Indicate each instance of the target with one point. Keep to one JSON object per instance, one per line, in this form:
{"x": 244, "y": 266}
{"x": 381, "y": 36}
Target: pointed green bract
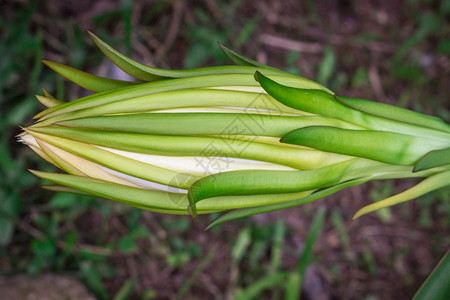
{"x": 388, "y": 147}
{"x": 86, "y": 80}
{"x": 178, "y": 99}
{"x": 258, "y": 124}
{"x": 241, "y": 60}
{"x": 60, "y": 163}
{"x": 48, "y": 102}
{"x": 207, "y": 81}
{"x": 152, "y": 200}
{"x": 378, "y": 174}
{"x": 174, "y": 203}
{"x": 119, "y": 163}
{"x": 246, "y": 212}
{"x": 429, "y": 184}
{"x": 433, "y": 159}
{"x": 48, "y": 95}
{"x": 320, "y": 102}
{"x": 266, "y": 182}
{"x": 394, "y": 113}
{"x": 147, "y": 73}
{"x": 65, "y": 189}
{"x": 302, "y": 159}
{"x": 312, "y": 100}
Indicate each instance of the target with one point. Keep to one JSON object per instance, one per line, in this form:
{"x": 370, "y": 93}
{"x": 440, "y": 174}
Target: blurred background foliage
{"x": 396, "y": 52}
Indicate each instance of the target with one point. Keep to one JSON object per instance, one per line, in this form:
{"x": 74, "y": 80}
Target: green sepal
{"x": 320, "y": 102}
{"x": 49, "y": 110}
{"x": 432, "y": 159}
{"x": 65, "y": 189}
{"x": 427, "y": 185}
{"x": 147, "y": 73}
{"x": 58, "y": 162}
{"x": 310, "y": 100}
{"x": 240, "y": 59}
{"x": 383, "y": 146}
{"x": 145, "y": 89}
{"x": 248, "y": 182}
{"x": 117, "y": 162}
{"x": 245, "y": 212}
{"x": 157, "y": 201}
{"x": 375, "y": 173}
{"x": 296, "y": 158}
{"x": 134, "y": 196}
{"x": 258, "y": 124}
{"x": 48, "y": 95}
{"x": 85, "y": 80}
{"x": 178, "y": 99}
{"x": 394, "y": 113}
{"x": 48, "y": 102}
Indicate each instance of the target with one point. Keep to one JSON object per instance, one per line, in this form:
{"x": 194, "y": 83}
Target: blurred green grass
{"x": 100, "y": 242}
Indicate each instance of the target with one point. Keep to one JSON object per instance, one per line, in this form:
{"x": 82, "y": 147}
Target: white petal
{"x": 199, "y": 165}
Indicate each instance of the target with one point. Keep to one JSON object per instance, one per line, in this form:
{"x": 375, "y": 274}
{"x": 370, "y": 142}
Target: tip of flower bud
{"x": 257, "y": 76}
{"x": 34, "y": 172}
{"x": 93, "y": 36}
{"x": 192, "y": 212}
{"x": 358, "y": 214}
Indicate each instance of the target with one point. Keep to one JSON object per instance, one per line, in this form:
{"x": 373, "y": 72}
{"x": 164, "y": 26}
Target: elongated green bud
{"x": 433, "y": 159}
{"x": 214, "y": 139}
{"x": 394, "y": 113}
{"x": 387, "y": 147}
{"x": 319, "y": 102}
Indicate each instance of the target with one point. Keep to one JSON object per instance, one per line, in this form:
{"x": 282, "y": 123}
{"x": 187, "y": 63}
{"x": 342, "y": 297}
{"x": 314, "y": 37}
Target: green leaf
{"x": 94, "y": 280}
{"x": 338, "y": 222}
{"x": 327, "y": 66}
{"x": 383, "y": 146}
{"x": 86, "y": 80}
{"x": 256, "y": 288}
{"x": 277, "y": 246}
{"x": 191, "y": 279}
{"x": 241, "y": 245}
{"x": 307, "y": 255}
{"x": 432, "y": 159}
{"x": 126, "y": 290}
{"x": 127, "y": 244}
{"x": 63, "y": 201}
{"x": 293, "y": 284}
{"x": 437, "y": 285}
